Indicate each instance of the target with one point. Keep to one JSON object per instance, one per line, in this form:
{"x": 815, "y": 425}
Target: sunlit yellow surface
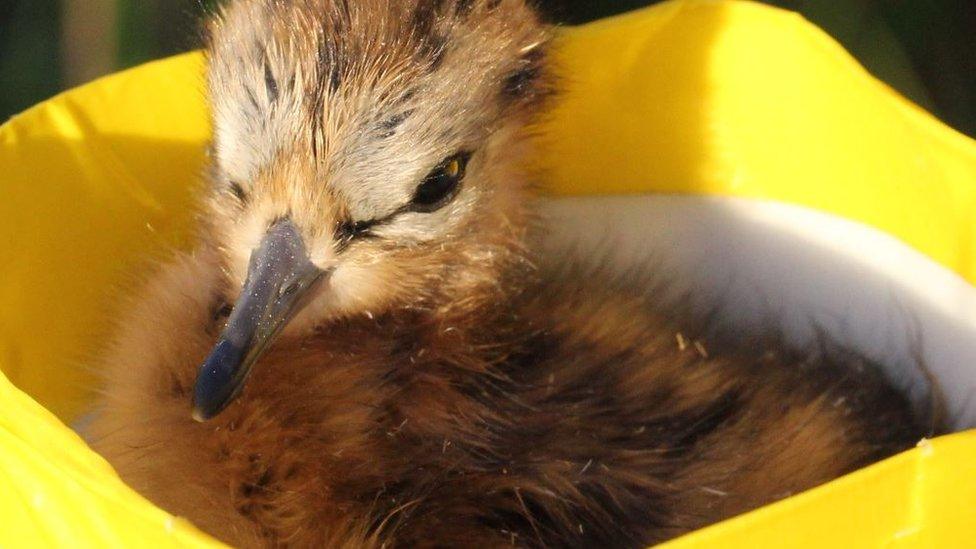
{"x": 735, "y": 98}
{"x": 715, "y": 97}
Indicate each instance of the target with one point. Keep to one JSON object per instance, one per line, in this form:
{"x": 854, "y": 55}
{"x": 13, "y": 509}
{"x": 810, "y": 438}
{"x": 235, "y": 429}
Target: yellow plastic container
{"x": 720, "y": 98}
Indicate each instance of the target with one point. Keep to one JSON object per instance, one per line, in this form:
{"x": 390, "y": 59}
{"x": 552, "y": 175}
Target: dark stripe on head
{"x": 335, "y": 79}
{"x": 425, "y": 15}
{"x": 523, "y": 81}
{"x": 330, "y": 64}
{"x": 431, "y": 44}
{"x": 406, "y": 96}
{"x": 333, "y": 54}
{"x": 270, "y": 83}
{"x": 434, "y": 51}
{"x": 388, "y": 127}
{"x": 238, "y": 191}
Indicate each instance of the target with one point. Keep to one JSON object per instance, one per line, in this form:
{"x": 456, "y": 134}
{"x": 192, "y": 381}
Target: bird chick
{"x": 364, "y": 349}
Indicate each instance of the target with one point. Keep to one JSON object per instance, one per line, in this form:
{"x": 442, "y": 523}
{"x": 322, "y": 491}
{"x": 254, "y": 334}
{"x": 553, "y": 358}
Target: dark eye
{"x": 438, "y": 188}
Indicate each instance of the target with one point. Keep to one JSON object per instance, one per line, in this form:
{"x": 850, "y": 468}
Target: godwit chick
{"x": 397, "y": 368}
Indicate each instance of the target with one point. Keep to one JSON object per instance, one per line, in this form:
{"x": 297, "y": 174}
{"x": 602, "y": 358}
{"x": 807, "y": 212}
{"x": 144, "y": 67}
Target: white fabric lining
{"x": 799, "y": 267}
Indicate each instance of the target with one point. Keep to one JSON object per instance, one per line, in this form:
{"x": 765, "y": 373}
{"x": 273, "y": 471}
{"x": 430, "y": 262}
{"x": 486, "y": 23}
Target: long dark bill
{"x": 279, "y": 275}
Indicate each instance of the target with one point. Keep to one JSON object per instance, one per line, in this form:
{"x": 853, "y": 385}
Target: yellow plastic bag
{"x": 704, "y": 97}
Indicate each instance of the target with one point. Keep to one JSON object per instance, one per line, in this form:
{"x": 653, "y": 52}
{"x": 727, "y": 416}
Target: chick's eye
{"x": 441, "y": 185}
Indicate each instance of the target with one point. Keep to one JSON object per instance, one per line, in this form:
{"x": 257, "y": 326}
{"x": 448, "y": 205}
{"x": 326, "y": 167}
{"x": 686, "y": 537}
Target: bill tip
{"x": 199, "y": 415}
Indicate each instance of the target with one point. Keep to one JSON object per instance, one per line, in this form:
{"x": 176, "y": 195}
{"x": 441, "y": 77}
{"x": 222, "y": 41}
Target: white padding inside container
{"x": 766, "y": 261}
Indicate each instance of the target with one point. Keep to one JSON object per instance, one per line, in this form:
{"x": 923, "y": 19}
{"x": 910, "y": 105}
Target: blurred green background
{"x": 924, "y": 48}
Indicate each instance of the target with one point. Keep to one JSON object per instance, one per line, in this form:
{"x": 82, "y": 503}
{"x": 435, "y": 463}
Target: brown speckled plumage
{"x": 447, "y": 386}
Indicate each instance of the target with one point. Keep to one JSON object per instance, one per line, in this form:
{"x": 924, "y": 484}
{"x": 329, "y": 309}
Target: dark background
{"x": 924, "y": 48}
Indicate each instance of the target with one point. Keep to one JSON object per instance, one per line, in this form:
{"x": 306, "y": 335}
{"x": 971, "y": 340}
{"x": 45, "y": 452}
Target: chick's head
{"x": 367, "y": 155}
